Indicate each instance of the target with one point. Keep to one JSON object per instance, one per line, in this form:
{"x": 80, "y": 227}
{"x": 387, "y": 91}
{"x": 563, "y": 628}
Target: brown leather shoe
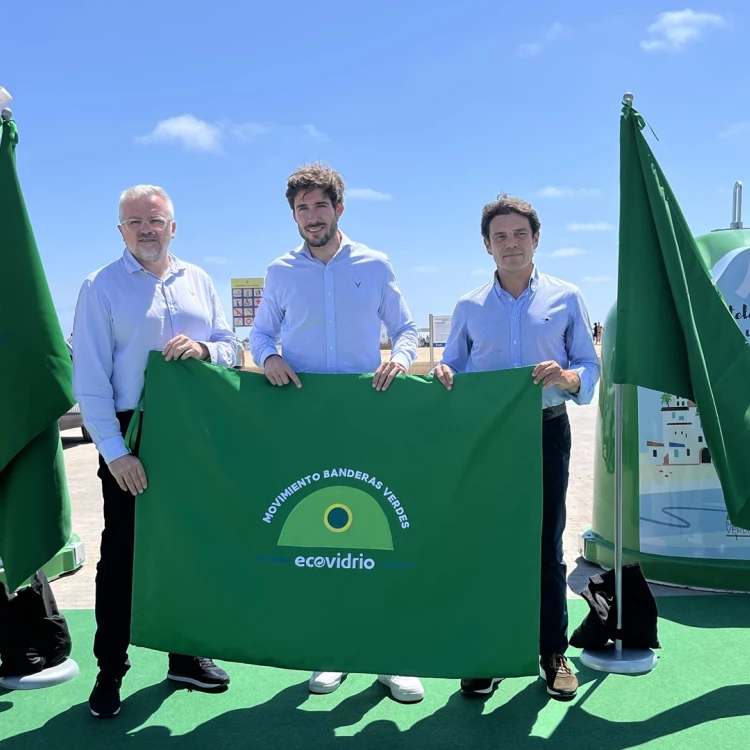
{"x": 561, "y": 682}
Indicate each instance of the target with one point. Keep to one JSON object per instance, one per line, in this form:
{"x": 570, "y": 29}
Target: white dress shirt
{"x": 123, "y": 313}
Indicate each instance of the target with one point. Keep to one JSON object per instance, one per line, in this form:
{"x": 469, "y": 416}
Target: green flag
{"x": 35, "y": 390}
{"x": 674, "y": 331}
{"x": 335, "y": 527}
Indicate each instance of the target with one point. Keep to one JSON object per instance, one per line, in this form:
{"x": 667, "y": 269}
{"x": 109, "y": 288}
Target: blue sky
{"x": 428, "y": 111}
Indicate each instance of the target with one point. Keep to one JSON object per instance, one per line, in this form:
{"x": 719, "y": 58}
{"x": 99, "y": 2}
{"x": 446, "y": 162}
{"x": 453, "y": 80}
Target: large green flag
{"x": 339, "y": 528}
{"x": 674, "y": 331}
{"x": 35, "y": 390}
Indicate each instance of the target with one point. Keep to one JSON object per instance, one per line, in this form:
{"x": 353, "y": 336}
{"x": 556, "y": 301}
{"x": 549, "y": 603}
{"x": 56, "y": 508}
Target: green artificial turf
{"x": 698, "y": 697}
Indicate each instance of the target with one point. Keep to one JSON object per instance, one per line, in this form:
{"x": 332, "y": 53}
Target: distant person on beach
{"x": 524, "y": 318}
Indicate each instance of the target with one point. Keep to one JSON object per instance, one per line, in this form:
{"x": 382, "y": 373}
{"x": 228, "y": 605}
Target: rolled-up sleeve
{"x": 266, "y": 333}
{"x": 93, "y": 352}
{"x": 222, "y": 346}
{"x": 399, "y": 324}
{"x": 582, "y": 356}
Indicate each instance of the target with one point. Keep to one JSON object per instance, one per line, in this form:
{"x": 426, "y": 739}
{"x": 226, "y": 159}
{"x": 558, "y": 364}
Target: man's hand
{"x": 278, "y": 371}
{"x": 182, "y": 347}
{"x": 129, "y": 473}
{"x": 445, "y": 375}
{"x": 551, "y": 373}
{"x": 385, "y": 373}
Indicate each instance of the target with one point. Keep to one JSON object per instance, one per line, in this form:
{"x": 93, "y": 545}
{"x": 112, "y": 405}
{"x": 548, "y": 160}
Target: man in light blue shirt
{"x": 145, "y": 300}
{"x": 326, "y": 299}
{"x": 324, "y": 302}
{"x": 519, "y": 319}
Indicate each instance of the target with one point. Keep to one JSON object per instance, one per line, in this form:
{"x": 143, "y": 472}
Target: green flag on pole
{"x": 674, "y": 331}
{"x": 334, "y": 527}
{"x": 35, "y": 390}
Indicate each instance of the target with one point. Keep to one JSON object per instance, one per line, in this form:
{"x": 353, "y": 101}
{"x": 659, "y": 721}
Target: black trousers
{"x": 114, "y": 573}
{"x": 553, "y": 625}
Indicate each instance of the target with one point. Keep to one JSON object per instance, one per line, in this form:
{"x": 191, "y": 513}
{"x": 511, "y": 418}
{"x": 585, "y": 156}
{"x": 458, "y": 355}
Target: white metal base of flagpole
{"x": 64, "y": 672}
{"x": 624, "y": 661}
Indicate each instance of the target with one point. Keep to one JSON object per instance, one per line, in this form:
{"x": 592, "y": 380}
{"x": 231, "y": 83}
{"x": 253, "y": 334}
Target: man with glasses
{"x": 145, "y": 300}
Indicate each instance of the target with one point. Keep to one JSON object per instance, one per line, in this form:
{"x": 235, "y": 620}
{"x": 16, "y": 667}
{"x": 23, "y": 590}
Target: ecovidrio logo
{"x": 345, "y": 524}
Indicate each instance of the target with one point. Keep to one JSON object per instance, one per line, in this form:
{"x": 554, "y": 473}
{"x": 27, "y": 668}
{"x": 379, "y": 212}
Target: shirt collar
{"x": 534, "y": 280}
{"x": 532, "y": 287}
{"x": 346, "y": 243}
{"x": 133, "y": 266}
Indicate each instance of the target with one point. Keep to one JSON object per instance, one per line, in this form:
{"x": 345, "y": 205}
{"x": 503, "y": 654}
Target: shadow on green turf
{"x": 280, "y": 723}
{"x": 725, "y": 610}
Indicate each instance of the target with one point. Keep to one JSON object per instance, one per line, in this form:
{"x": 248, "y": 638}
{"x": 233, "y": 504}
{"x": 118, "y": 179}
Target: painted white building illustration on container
{"x": 682, "y": 440}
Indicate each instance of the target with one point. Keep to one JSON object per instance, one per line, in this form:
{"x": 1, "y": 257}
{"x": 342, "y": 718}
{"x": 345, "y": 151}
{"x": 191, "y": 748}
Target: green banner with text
{"x": 335, "y": 527}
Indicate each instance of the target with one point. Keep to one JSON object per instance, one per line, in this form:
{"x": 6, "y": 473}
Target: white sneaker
{"x": 322, "y": 683}
{"x": 403, "y": 689}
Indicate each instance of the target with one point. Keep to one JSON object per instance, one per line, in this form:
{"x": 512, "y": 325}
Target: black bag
{"x": 33, "y": 634}
{"x": 639, "y": 615}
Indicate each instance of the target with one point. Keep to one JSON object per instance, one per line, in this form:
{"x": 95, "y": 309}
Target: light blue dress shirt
{"x": 327, "y": 316}
{"x": 490, "y": 330}
{"x": 123, "y": 313}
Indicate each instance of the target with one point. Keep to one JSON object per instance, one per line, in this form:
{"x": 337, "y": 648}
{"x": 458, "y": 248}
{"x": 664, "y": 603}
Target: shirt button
{"x": 331, "y": 348}
{"x": 515, "y": 319}
{"x": 330, "y": 321}
{"x": 515, "y": 342}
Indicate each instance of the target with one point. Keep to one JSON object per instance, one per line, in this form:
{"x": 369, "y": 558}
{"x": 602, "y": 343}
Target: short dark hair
{"x": 507, "y": 204}
{"x": 313, "y": 176}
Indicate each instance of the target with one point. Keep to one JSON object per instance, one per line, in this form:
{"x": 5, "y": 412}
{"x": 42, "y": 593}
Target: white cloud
{"x": 216, "y": 260}
{"x": 532, "y": 49}
{"x": 482, "y": 272}
{"x": 553, "y": 191}
{"x": 245, "y": 131}
{"x": 192, "y": 133}
{"x": 313, "y": 132}
{"x": 568, "y": 252}
{"x": 426, "y": 269}
{"x": 594, "y": 226}
{"x": 367, "y": 194}
{"x": 739, "y": 128}
{"x": 199, "y": 135}
{"x": 673, "y": 30}
{"x": 597, "y": 279}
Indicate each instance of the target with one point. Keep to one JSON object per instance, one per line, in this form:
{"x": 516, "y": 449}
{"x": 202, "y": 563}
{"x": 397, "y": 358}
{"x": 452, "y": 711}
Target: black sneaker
{"x": 479, "y": 686}
{"x": 197, "y": 671}
{"x": 104, "y": 700}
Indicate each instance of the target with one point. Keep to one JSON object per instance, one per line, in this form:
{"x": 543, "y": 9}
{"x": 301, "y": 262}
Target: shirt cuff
{"x": 586, "y": 391}
{"x": 113, "y": 448}
{"x": 265, "y": 354}
{"x": 213, "y": 352}
{"x": 402, "y": 359}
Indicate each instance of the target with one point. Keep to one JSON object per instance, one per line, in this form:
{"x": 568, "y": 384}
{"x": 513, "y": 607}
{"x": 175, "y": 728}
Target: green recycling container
{"x": 675, "y": 521}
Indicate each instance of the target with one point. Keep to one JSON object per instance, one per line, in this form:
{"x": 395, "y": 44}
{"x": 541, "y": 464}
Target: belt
{"x": 552, "y": 412}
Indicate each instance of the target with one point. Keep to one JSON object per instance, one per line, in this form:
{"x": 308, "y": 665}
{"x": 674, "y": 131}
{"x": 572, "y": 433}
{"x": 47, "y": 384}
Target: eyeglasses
{"x": 157, "y": 223}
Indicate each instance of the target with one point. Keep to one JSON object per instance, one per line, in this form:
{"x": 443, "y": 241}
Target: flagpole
{"x": 618, "y": 660}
